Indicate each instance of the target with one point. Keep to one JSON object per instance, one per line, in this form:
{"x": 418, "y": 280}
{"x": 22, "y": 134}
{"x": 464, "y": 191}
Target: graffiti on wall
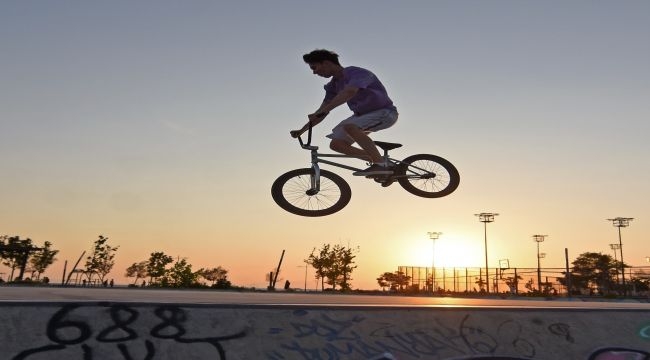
{"x": 324, "y": 337}
{"x": 120, "y": 331}
{"x": 81, "y": 340}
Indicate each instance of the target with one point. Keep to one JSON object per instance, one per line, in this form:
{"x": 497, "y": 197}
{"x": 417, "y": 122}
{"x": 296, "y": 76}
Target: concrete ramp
{"x": 137, "y": 331}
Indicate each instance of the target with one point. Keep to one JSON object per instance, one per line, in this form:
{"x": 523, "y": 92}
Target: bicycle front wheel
{"x": 293, "y": 192}
{"x": 428, "y": 176}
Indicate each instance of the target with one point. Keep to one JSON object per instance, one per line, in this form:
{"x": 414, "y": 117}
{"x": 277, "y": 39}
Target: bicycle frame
{"x": 300, "y": 191}
{"x": 316, "y": 158}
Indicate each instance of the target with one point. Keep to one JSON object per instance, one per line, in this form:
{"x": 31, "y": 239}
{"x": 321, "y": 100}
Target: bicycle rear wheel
{"x": 292, "y": 192}
{"x": 428, "y": 176}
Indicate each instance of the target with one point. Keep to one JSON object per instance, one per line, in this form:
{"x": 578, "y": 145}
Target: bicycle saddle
{"x": 387, "y": 146}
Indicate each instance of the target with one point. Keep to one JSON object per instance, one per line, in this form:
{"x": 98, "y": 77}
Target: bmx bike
{"x": 316, "y": 192}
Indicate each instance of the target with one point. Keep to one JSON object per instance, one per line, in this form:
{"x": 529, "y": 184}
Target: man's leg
{"x": 366, "y": 143}
{"x": 351, "y": 130}
{"x": 346, "y": 148}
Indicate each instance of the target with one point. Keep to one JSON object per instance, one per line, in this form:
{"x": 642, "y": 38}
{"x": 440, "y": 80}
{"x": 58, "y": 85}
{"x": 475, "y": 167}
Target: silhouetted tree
{"x": 640, "y": 284}
{"x": 102, "y": 259}
{"x": 180, "y": 275}
{"x": 218, "y": 276}
{"x": 395, "y": 281}
{"x": 42, "y": 259}
{"x": 334, "y": 264}
{"x": 137, "y": 270}
{"x": 156, "y": 266}
{"x": 14, "y": 252}
{"x": 593, "y": 270}
{"x": 345, "y": 259}
{"x": 320, "y": 262}
{"x": 383, "y": 281}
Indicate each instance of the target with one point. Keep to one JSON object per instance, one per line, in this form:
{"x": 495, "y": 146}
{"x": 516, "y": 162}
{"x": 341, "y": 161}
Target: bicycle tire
{"x": 428, "y": 176}
{"x": 289, "y": 191}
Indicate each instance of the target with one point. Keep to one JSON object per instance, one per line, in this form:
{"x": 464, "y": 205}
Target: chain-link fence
{"x": 506, "y": 280}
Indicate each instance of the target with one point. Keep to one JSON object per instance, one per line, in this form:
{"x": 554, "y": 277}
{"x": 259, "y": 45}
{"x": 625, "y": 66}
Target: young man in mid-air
{"x": 366, "y": 97}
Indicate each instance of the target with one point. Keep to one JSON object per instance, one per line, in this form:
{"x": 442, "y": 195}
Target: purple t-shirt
{"x": 371, "y": 96}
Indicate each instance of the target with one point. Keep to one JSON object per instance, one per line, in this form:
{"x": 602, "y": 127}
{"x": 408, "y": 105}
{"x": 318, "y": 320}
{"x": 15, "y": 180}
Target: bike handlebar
{"x": 308, "y": 143}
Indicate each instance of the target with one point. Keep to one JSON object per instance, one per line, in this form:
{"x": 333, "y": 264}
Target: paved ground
{"x": 56, "y": 294}
{"x": 125, "y": 324}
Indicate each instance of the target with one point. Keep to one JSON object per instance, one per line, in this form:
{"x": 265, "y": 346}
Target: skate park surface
{"x": 121, "y": 323}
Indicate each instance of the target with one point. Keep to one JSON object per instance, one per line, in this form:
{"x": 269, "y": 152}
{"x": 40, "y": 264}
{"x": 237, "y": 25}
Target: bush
{"x": 222, "y": 284}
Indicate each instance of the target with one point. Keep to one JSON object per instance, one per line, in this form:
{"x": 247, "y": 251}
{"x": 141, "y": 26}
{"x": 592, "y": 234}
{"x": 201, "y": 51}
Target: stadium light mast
{"x": 486, "y": 218}
{"x": 620, "y": 222}
{"x": 433, "y": 235}
{"x": 539, "y": 239}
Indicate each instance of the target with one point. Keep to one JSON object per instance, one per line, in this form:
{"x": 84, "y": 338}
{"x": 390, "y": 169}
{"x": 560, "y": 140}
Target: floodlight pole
{"x": 620, "y": 222}
{"x": 486, "y": 218}
{"x": 433, "y": 235}
{"x": 305, "y": 266}
{"x": 539, "y": 239}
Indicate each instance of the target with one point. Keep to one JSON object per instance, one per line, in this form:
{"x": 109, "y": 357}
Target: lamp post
{"x": 486, "y": 218}
{"x": 615, "y": 247}
{"x": 620, "y": 222}
{"x": 539, "y": 239}
{"x": 433, "y": 235}
{"x": 305, "y": 266}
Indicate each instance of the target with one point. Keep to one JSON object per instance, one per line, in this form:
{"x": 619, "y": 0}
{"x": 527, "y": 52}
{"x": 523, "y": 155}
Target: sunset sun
{"x": 449, "y": 252}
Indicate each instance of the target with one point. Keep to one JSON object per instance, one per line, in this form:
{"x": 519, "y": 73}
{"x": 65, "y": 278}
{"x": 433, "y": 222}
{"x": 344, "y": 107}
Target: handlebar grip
{"x": 303, "y": 144}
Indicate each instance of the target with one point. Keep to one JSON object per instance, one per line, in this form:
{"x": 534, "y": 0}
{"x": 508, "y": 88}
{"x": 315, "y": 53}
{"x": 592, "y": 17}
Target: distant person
{"x": 111, "y": 283}
{"x": 366, "y": 97}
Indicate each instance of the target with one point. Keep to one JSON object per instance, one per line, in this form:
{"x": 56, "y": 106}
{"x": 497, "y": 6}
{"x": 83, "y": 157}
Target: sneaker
{"x": 373, "y": 170}
{"x": 384, "y": 180}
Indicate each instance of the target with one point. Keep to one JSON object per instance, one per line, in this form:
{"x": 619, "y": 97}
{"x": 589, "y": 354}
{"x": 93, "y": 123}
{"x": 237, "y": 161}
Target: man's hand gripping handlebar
{"x": 297, "y": 134}
{"x": 308, "y": 127}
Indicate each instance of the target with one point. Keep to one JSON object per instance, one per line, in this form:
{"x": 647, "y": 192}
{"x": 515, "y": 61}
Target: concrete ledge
{"x": 126, "y": 330}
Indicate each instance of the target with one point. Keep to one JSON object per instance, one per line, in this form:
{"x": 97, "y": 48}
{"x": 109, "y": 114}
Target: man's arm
{"x": 313, "y": 120}
{"x": 342, "y": 97}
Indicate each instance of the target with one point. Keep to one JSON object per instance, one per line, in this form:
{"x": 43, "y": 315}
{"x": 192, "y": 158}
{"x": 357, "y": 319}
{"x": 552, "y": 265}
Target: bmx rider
{"x": 365, "y": 95}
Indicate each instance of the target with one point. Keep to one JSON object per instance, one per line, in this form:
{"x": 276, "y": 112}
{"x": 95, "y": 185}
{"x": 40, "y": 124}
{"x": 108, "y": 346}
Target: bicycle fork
{"x": 315, "y": 175}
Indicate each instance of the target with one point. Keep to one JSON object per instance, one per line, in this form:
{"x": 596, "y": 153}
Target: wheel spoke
{"x": 295, "y": 192}
{"x": 429, "y": 176}
{"x": 292, "y": 191}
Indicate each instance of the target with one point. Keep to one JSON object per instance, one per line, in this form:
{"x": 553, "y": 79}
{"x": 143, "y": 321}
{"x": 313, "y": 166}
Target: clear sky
{"x": 162, "y": 124}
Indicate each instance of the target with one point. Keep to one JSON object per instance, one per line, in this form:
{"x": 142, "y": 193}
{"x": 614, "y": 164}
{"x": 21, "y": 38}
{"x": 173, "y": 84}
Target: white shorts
{"x": 370, "y": 122}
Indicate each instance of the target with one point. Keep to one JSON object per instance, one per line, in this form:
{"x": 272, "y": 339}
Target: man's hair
{"x": 320, "y": 55}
